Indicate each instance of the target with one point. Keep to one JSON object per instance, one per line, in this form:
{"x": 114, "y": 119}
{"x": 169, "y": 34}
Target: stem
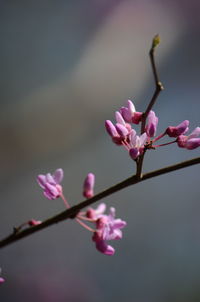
{"x": 158, "y": 88}
{"x": 85, "y": 225}
{"x": 161, "y": 145}
{"x": 73, "y": 211}
{"x": 158, "y": 85}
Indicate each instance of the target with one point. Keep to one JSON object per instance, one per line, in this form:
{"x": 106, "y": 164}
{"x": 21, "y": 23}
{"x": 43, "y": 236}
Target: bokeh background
{"x": 66, "y": 66}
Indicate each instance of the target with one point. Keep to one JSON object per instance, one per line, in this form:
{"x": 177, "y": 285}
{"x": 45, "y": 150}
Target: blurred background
{"x": 66, "y": 66}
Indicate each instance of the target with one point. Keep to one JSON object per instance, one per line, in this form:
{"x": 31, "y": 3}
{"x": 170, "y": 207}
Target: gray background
{"x": 66, "y": 66}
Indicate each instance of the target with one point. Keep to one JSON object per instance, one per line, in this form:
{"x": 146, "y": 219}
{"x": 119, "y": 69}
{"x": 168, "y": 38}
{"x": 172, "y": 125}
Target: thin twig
{"x": 158, "y": 85}
{"x": 73, "y": 211}
{"x": 158, "y": 88}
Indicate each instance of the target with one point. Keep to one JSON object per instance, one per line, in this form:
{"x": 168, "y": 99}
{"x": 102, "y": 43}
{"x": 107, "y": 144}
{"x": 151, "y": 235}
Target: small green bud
{"x": 156, "y": 41}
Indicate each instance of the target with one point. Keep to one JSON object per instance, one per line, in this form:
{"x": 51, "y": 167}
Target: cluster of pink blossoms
{"x": 123, "y": 134}
{"x": 106, "y": 227}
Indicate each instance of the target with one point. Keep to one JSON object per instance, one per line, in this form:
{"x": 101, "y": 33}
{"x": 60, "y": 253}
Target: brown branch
{"x": 72, "y": 212}
{"x": 158, "y": 85}
{"x": 158, "y": 88}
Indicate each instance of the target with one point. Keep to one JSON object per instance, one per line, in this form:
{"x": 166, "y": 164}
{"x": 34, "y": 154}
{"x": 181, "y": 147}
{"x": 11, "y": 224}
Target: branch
{"x": 158, "y": 85}
{"x": 158, "y": 88}
{"x": 73, "y": 211}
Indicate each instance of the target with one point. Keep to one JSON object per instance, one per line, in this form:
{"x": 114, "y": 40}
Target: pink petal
{"x": 111, "y": 129}
{"x": 119, "y": 118}
{"x": 193, "y": 143}
{"x": 122, "y": 130}
{"x": 41, "y": 179}
{"x": 104, "y": 248}
{"x": 134, "y": 153}
{"x": 131, "y": 106}
{"x": 195, "y": 133}
{"x": 58, "y": 175}
{"x": 88, "y": 186}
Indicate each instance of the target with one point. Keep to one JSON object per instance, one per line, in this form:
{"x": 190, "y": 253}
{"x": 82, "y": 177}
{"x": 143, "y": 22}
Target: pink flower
{"x": 34, "y": 222}
{"x": 129, "y": 113}
{"x": 182, "y": 128}
{"x": 191, "y": 141}
{"x": 112, "y": 131}
{"x": 95, "y": 214}
{"x": 50, "y": 184}
{"x": 152, "y": 124}
{"x": 108, "y": 228}
{"x": 137, "y": 143}
{"x": 88, "y": 186}
{"x": 119, "y": 131}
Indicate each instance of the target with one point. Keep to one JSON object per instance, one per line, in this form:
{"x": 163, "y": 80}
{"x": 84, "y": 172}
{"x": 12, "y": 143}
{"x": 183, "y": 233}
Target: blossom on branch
{"x": 107, "y": 228}
{"x": 95, "y": 214}
{"x": 88, "y": 186}
{"x": 182, "y": 128}
{"x": 136, "y": 144}
{"x": 129, "y": 113}
{"x": 50, "y": 183}
{"x": 151, "y": 126}
{"x": 191, "y": 141}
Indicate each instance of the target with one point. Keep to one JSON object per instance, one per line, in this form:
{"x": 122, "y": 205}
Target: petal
{"x": 134, "y": 153}
{"x": 122, "y": 131}
{"x": 50, "y": 179}
{"x": 41, "y": 179}
{"x": 119, "y": 118}
{"x": 131, "y": 106}
{"x": 58, "y": 175}
{"x": 101, "y": 208}
{"x": 104, "y": 248}
{"x": 193, "y": 143}
{"x": 111, "y": 129}
{"x": 88, "y": 185}
{"x": 181, "y": 129}
{"x": 2, "y": 280}
{"x": 51, "y": 192}
{"x": 195, "y": 133}
{"x": 181, "y": 141}
{"x": 119, "y": 224}
{"x": 132, "y": 137}
{"x": 115, "y": 235}
{"x": 137, "y": 117}
{"x": 125, "y": 112}
{"x": 112, "y": 213}
{"x": 143, "y": 139}
{"x": 152, "y": 124}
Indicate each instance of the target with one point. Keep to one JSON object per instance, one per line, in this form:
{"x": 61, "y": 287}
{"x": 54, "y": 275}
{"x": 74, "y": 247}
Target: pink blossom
{"x": 50, "y": 184}
{"x": 34, "y": 222}
{"x": 112, "y": 131}
{"x": 137, "y": 143}
{"x": 191, "y": 141}
{"x": 129, "y": 113}
{"x": 88, "y": 186}
{"x": 151, "y": 126}
{"x": 108, "y": 228}
{"x": 95, "y": 214}
{"x": 181, "y": 129}
{"x": 120, "y": 131}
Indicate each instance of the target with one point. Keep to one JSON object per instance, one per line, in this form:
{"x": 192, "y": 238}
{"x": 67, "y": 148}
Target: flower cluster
{"x": 123, "y": 134}
{"x": 106, "y": 227}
